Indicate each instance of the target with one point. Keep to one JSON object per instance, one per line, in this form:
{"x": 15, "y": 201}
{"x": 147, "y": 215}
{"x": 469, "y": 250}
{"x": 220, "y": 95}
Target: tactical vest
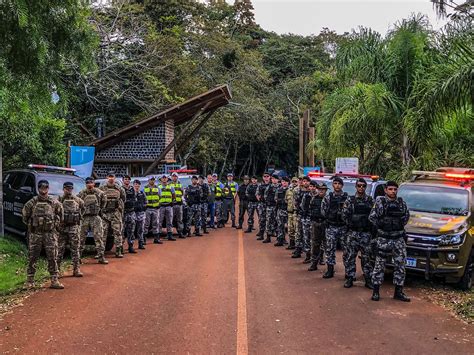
{"x": 336, "y": 202}
{"x": 152, "y": 196}
{"x": 193, "y": 195}
{"x": 140, "y": 202}
{"x": 72, "y": 215}
{"x": 261, "y": 191}
{"x": 227, "y": 192}
{"x": 270, "y": 195}
{"x": 315, "y": 209}
{"x": 130, "y": 199}
{"x": 91, "y": 204}
{"x": 242, "y": 192}
{"x": 392, "y": 220}
{"x": 281, "y": 198}
{"x": 166, "y": 197}
{"x": 305, "y": 201}
{"x": 251, "y": 192}
{"x": 360, "y": 216}
{"x": 113, "y": 196}
{"x": 178, "y": 192}
{"x": 205, "y": 193}
{"x": 290, "y": 198}
{"x": 43, "y": 216}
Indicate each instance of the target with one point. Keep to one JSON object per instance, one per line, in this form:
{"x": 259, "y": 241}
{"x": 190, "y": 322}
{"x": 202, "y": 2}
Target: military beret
{"x": 136, "y": 181}
{"x": 338, "y": 179}
{"x": 391, "y": 183}
{"x": 43, "y": 183}
{"x": 89, "y": 179}
{"x": 68, "y": 184}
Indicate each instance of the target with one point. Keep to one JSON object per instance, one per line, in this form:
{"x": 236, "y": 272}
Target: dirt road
{"x": 224, "y": 293}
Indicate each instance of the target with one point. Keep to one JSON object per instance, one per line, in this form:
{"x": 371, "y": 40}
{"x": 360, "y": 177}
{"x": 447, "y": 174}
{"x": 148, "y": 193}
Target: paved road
{"x": 224, "y": 293}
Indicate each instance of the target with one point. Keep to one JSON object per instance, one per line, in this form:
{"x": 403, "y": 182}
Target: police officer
{"x": 43, "y": 215}
{"x": 336, "y": 229}
{"x": 178, "y": 204}
{"x": 152, "y": 211}
{"x": 192, "y": 196}
{"x": 261, "y": 208}
{"x": 69, "y": 231}
{"x": 300, "y": 241}
{"x": 390, "y": 215}
{"x": 282, "y": 211}
{"x": 243, "y": 201}
{"x": 270, "y": 210}
{"x": 355, "y": 213}
{"x": 129, "y": 212}
{"x": 167, "y": 195}
{"x": 292, "y": 221}
{"x": 94, "y": 203}
{"x": 140, "y": 208}
{"x": 112, "y": 214}
{"x": 219, "y": 200}
{"x": 251, "y": 197}
{"x": 211, "y": 202}
{"x": 204, "y": 202}
{"x": 306, "y": 219}
{"x": 318, "y": 226}
{"x": 229, "y": 193}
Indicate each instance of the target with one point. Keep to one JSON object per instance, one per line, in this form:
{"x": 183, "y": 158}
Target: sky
{"x": 305, "y": 17}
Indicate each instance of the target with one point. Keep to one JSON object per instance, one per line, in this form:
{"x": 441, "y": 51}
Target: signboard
{"x": 347, "y": 165}
{"x": 307, "y": 169}
{"x": 82, "y": 159}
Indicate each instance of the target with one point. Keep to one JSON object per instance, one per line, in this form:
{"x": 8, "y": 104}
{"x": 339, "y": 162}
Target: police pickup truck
{"x": 375, "y": 186}
{"x": 21, "y": 185}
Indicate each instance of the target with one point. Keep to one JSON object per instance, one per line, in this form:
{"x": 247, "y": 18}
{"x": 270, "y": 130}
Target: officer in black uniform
{"x": 192, "y": 196}
{"x": 140, "y": 211}
{"x": 129, "y": 212}
{"x": 261, "y": 207}
{"x": 204, "y": 202}
{"x": 243, "y": 201}
{"x": 251, "y": 196}
{"x": 318, "y": 227}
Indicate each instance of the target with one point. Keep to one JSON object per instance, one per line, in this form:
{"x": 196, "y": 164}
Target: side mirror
{"x": 26, "y": 189}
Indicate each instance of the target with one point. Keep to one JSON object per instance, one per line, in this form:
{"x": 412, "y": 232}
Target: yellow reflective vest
{"x": 152, "y": 196}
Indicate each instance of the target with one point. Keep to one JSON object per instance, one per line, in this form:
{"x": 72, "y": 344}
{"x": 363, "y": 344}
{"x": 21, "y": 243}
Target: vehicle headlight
{"x": 451, "y": 239}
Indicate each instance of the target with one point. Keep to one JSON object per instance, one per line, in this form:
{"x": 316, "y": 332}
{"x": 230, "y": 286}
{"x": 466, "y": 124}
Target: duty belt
{"x": 153, "y": 208}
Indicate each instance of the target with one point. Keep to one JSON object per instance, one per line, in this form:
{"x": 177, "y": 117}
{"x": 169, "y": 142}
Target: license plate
{"x": 410, "y": 262}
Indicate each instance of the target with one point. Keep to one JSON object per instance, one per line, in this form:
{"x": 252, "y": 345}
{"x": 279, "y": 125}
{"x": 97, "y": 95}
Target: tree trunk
{"x": 405, "y": 152}
{"x": 225, "y": 160}
{"x": 250, "y": 159}
{"x": 234, "y": 161}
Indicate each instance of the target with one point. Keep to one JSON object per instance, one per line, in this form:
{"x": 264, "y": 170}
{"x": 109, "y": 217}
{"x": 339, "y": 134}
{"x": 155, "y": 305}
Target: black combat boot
{"x": 156, "y": 239}
{"x": 399, "y": 294}
{"x": 197, "y": 232}
{"x": 181, "y": 235}
{"x": 296, "y": 254}
{"x": 313, "y": 266}
{"x": 141, "y": 246}
{"x": 349, "y": 282}
{"x": 239, "y": 226}
{"x": 268, "y": 239}
{"x": 375, "y": 293}
{"x": 205, "y": 230}
{"x": 368, "y": 283}
{"x": 131, "y": 250}
{"x": 291, "y": 246}
{"x": 329, "y": 272}
{"x": 279, "y": 243}
{"x": 220, "y": 225}
{"x": 169, "y": 236}
{"x": 248, "y": 230}
{"x": 234, "y": 225}
{"x": 307, "y": 260}
{"x": 259, "y": 234}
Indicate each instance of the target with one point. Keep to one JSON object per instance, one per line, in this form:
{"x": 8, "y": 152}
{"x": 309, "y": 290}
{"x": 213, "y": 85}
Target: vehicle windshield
{"x": 434, "y": 199}
{"x": 56, "y": 183}
{"x": 349, "y": 186}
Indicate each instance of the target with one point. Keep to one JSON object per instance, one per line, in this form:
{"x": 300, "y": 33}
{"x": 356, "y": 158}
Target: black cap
{"x": 306, "y": 178}
{"x": 275, "y": 176}
{"x": 391, "y": 183}
{"x": 201, "y": 177}
{"x": 136, "y": 181}
{"x": 194, "y": 177}
{"x": 89, "y": 179}
{"x": 323, "y": 186}
{"x": 127, "y": 177}
{"x": 43, "y": 183}
{"x": 254, "y": 177}
{"x": 246, "y": 177}
{"x": 68, "y": 184}
{"x": 111, "y": 173}
{"x": 266, "y": 173}
{"x": 362, "y": 181}
{"x": 338, "y": 179}
{"x": 286, "y": 178}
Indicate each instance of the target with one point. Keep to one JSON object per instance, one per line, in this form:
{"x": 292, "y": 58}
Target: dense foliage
{"x": 404, "y": 99}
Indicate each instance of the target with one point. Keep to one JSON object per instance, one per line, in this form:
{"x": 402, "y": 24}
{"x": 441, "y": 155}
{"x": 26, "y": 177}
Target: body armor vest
{"x": 43, "y": 216}
{"x": 130, "y": 199}
{"x": 305, "y": 203}
{"x": 91, "y": 204}
{"x": 270, "y": 195}
{"x": 280, "y": 198}
{"x": 113, "y": 196}
{"x": 393, "y": 215}
{"x": 194, "y": 195}
{"x": 315, "y": 209}
{"x": 227, "y": 192}
{"x": 72, "y": 215}
{"x": 261, "y": 191}
{"x": 360, "y": 216}
{"x": 335, "y": 208}
{"x": 140, "y": 203}
{"x": 205, "y": 193}
{"x": 242, "y": 192}
{"x": 251, "y": 192}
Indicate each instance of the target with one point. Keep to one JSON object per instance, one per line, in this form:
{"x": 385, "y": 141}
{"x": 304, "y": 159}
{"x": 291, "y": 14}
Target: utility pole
{"x": 2, "y": 227}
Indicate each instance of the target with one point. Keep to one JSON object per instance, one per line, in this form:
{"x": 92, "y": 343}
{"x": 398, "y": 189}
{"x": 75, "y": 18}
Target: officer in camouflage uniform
{"x": 178, "y": 204}
{"x": 129, "y": 213}
{"x": 390, "y": 215}
{"x": 43, "y": 215}
{"x": 69, "y": 231}
{"x": 94, "y": 203}
{"x": 167, "y": 196}
{"x": 112, "y": 214}
{"x": 282, "y": 211}
{"x": 292, "y": 221}
{"x": 192, "y": 196}
{"x": 306, "y": 219}
{"x": 355, "y": 214}
{"x": 140, "y": 208}
{"x": 204, "y": 202}
{"x": 211, "y": 202}
{"x": 270, "y": 212}
{"x": 152, "y": 211}
{"x": 318, "y": 226}
{"x": 336, "y": 229}
{"x": 243, "y": 201}
{"x": 261, "y": 208}
{"x": 300, "y": 242}
{"x": 251, "y": 196}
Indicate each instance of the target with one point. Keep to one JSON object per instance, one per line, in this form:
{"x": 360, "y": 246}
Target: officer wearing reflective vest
{"x": 318, "y": 226}
{"x": 336, "y": 230}
{"x": 167, "y": 196}
{"x": 204, "y": 202}
{"x": 129, "y": 212}
{"x": 229, "y": 192}
{"x": 390, "y": 215}
{"x": 356, "y": 215}
{"x": 251, "y": 194}
{"x": 192, "y": 196}
{"x": 282, "y": 211}
{"x": 152, "y": 211}
{"x": 94, "y": 203}
{"x": 69, "y": 231}
{"x": 218, "y": 200}
{"x": 178, "y": 204}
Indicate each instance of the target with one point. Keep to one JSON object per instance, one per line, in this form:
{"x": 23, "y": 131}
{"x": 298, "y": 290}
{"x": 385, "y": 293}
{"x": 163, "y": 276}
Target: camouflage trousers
{"x": 129, "y": 226}
{"x": 218, "y": 211}
{"x": 252, "y": 208}
{"x": 262, "y": 219}
{"x": 93, "y": 224}
{"x": 333, "y": 235}
{"x": 318, "y": 240}
{"x": 151, "y": 222}
{"x": 139, "y": 227}
{"x": 358, "y": 241}
{"x": 69, "y": 235}
{"x": 298, "y": 230}
{"x": 178, "y": 217}
{"x": 203, "y": 214}
{"x": 386, "y": 248}
{"x": 292, "y": 225}
{"x": 228, "y": 207}
{"x": 36, "y": 241}
{"x": 166, "y": 213}
{"x": 282, "y": 218}
{"x": 113, "y": 222}
{"x": 270, "y": 216}
{"x": 306, "y": 229}
{"x": 194, "y": 212}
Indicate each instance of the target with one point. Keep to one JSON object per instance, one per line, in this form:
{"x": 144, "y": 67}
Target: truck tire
{"x": 467, "y": 278}
{"x": 109, "y": 243}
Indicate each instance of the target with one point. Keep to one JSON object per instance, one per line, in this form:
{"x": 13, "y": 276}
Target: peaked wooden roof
{"x": 180, "y": 113}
